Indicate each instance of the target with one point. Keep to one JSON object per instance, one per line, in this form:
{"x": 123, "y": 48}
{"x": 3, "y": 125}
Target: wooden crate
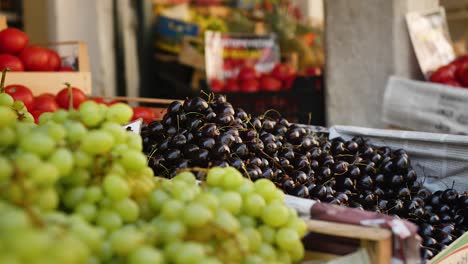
{"x": 376, "y": 241}
{"x": 52, "y": 82}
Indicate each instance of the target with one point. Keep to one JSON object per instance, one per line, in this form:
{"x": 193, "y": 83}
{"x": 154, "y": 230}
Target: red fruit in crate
{"x": 282, "y": 71}
{"x": 78, "y": 98}
{"x": 66, "y": 69}
{"x": 249, "y": 86}
{"x": 231, "y": 86}
{"x": 464, "y": 76}
{"x": 11, "y": 62}
{"x": 460, "y": 60}
{"x": 314, "y": 71}
{"x": 270, "y": 84}
{"x": 36, "y": 114}
{"x": 35, "y": 58}
{"x": 45, "y": 103}
{"x": 21, "y": 93}
{"x": 216, "y": 85}
{"x": 147, "y": 114}
{"x": 247, "y": 73}
{"x": 444, "y": 73}
{"x": 452, "y": 83}
{"x": 12, "y": 40}
{"x": 54, "y": 60}
{"x": 99, "y": 100}
{"x": 289, "y": 82}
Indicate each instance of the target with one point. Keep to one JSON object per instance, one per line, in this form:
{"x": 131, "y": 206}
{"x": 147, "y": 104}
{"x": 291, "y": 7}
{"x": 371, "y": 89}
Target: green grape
{"x": 27, "y": 117}
{"x": 77, "y": 177}
{"x": 81, "y": 159}
{"x": 27, "y": 162}
{"x": 157, "y": 198}
{"x": 133, "y": 160}
{"x": 62, "y": 159}
{"x": 37, "y": 143}
{"x": 6, "y": 170}
{"x": 182, "y": 191}
{"x": 93, "y": 194}
{"x": 247, "y": 221}
{"x": 253, "y": 204}
{"x": 146, "y": 255}
{"x": 91, "y": 114}
{"x": 286, "y": 238}
{"x": 60, "y": 116}
{"x": 119, "y": 133}
{"x": 48, "y": 199}
{"x": 275, "y": 215}
{"x": 209, "y": 200}
{"x": 56, "y": 131}
{"x": 7, "y": 116}
{"x": 266, "y": 189}
{"x": 297, "y": 252}
{"x": 197, "y": 215}
{"x": 87, "y": 211}
{"x": 97, "y": 142}
{"x": 45, "y": 117}
{"x": 254, "y": 238}
{"x": 172, "y": 249}
{"x": 134, "y": 141}
{"x": 253, "y": 259}
{"x": 298, "y": 225}
{"x": 267, "y": 252}
{"x": 224, "y": 220}
{"x": 108, "y": 220}
{"x": 45, "y": 174}
{"x": 246, "y": 188}
{"x": 120, "y": 113}
{"x": 74, "y": 196}
{"x": 127, "y": 209}
{"x": 232, "y": 179}
{"x": 36, "y": 244}
{"x": 231, "y": 201}
{"x": 18, "y": 105}
{"x": 268, "y": 234}
{"x": 215, "y": 176}
{"x": 189, "y": 253}
{"x": 125, "y": 240}
{"x": 116, "y": 187}
{"x": 6, "y": 100}
{"x": 7, "y": 136}
{"x": 172, "y": 209}
{"x": 172, "y": 230}
{"x": 187, "y": 177}
{"x": 74, "y": 131}
{"x": 283, "y": 257}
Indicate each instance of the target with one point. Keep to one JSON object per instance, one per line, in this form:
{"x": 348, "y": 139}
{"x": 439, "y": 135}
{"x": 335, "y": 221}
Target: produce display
{"x": 76, "y": 188}
{"x": 16, "y": 55}
{"x": 453, "y": 74}
{"x": 205, "y": 133}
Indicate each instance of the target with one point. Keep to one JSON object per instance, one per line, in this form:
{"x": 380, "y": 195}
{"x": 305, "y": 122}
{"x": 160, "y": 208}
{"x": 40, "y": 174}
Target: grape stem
{"x": 27, "y": 207}
{"x": 2, "y": 83}
{"x": 70, "y": 96}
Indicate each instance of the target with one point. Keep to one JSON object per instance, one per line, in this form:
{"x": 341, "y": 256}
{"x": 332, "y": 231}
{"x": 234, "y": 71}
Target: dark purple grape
{"x": 240, "y": 150}
{"x": 172, "y": 155}
{"x": 220, "y": 151}
{"x": 300, "y": 191}
{"x": 178, "y": 141}
{"x": 365, "y": 183}
{"x": 210, "y": 130}
{"x": 351, "y": 146}
{"x": 404, "y": 193}
{"x": 206, "y": 143}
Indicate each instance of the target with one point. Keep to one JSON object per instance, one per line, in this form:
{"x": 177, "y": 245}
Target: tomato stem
{"x": 2, "y": 83}
{"x": 70, "y": 96}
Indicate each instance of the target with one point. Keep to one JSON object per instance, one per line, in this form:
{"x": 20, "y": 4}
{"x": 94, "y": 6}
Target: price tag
{"x": 135, "y": 126}
{"x": 431, "y": 39}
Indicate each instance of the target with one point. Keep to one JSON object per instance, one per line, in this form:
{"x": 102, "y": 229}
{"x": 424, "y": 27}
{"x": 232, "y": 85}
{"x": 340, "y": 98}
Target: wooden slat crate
{"x": 52, "y": 82}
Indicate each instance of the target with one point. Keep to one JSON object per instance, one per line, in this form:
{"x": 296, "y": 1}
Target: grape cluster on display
{"x": 205, "y": 133}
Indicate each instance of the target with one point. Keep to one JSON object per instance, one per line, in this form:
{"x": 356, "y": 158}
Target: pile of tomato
{"x": 453, "y": 74}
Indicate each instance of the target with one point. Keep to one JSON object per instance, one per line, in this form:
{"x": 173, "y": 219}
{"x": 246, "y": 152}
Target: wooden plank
{"x": 351, "y": 231}
{"x": 140, "y": 100}
{"x": 50, "y": 82}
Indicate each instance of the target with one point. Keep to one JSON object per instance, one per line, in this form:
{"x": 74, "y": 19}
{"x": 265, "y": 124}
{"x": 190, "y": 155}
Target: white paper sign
{"x": 135, "y": 126}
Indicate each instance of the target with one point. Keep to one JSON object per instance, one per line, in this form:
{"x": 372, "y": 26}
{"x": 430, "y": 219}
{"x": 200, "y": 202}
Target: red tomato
{"x": 66, "y": 69}
{"x": 289, "y": 82}
{"x": 314, "y": 71}
{"x": 270, "y": 84}
{"x": 231, "y": 86}
{"x": 460, "y": 60}
{"x": 216, "y": 85}
{"x": 464, "y": 76}
{"x": 444, "y": 73}
{"x": 22, "y": 93}
{"x": 452, "y": 83}
{"x": 99, "y": 100}
{"x": 35, "y": 58}
{"x": 249, "y": 86}
{"x": 282, "y": 71}
{"x": 78, "y": 98}
{"x": 247, "y": 73}
{"x": 54, "y": 60}
{"x": 147, "y": 114}
{"x": 45, "y": 103}
{"x": 11, "y": 62}
{"x": 12, "y": 40}
{"x": 36, "y": 114}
